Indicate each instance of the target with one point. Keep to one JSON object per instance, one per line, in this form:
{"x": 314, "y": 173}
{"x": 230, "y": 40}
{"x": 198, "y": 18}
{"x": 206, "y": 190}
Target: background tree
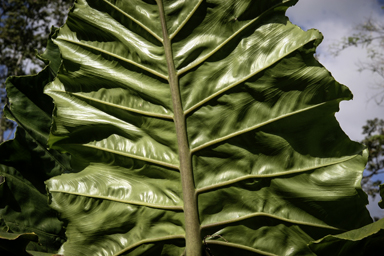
{"x": 24, "y": 28}
{"x": 374, "y": 141}
{"x": 369, "y": 35}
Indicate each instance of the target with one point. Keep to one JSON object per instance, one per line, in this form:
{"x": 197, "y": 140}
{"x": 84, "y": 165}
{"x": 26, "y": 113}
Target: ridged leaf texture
{"x": 199, "y": 126}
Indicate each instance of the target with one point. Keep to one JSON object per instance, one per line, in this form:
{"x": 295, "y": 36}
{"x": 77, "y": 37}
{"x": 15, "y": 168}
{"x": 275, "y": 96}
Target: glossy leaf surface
{"x": 192, "y": 119}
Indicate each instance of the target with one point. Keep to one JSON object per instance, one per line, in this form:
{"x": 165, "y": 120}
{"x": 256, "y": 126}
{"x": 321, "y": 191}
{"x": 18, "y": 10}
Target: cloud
{"x": 336, "y": 19}
{"x": 349, "y": 12}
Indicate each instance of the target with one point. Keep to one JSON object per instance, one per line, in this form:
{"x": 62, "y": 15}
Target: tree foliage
{"x": 374, "y": 140}
{"x": 369, "y": 35}
{"x": 24, "y": 29}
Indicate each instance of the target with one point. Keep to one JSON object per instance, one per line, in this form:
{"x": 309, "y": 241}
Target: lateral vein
{"x": 260, "y": 176}
{"x": 135, "y": 156}
{"x": 117, "y": 57}
{"x": 238, "y": 82}
{"x": 191, "y": 66}
{"x": 270, "y": 216}
{"x": 135, "y": 20}
{"x": 121, "y": 107}
{"x": 252, "y": 128}
{"x": 243, "y": 247}
{"x": 185, "y": 21}
{"x": 165, "y": 207}
{"x": 145, "y": 241}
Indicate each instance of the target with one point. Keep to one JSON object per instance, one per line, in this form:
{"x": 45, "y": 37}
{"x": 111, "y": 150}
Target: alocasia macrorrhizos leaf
{"x": 25, "y": 164}
{"x": 199, "y": 125}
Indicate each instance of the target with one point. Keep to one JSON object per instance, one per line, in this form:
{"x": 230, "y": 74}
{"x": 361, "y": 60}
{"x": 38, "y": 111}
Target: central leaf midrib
{"x": 192, "y": 223}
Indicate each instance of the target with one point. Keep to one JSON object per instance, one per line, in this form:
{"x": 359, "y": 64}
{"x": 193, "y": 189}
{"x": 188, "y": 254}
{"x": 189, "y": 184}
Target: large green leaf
{"x": 26, "y": 220}
{"x": 199, "y": 125}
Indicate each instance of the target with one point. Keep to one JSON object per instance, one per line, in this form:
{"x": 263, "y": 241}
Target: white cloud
{"x": 351, "y": 12}
{"x": 336, "y": 19}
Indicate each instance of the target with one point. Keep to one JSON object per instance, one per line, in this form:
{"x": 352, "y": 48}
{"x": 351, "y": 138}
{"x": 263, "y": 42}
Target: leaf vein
{"x": 116, "y": 56}
{"x": 144, "y": 241}
{"x": 229, "y": 136}
{"x": 247, "y": 248}
{"x": 248, "y": 216}
{"x": 239, "y": 82}
{"x": 134, "y": 20}
{"x": 189, "y": 67}
{"x": 35, "y": 140}
{"x": 135, "y": 156}
{"x": 119, "y": 106}
{"x": 185, "y": 21}
{"x": 260, "y": 176}
{"x": 157, "y": 206}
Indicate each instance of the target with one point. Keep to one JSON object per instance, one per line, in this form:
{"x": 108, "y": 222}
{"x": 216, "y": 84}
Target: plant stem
{"x": 192, "y": 224}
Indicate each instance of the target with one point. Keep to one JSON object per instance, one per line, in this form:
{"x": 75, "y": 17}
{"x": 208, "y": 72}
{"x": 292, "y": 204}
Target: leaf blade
{"x": 258, "y": 109}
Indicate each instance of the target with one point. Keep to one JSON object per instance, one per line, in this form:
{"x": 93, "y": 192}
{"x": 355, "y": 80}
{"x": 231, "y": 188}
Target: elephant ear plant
{"x": 196, "y": 128}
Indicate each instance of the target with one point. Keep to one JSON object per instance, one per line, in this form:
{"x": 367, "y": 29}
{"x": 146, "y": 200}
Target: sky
{"x": 336, "y": 19}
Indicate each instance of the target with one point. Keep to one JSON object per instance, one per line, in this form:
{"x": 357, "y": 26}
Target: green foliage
{"x": 26, "y": 163}
{"x": 192, "y": 125}
{"x": 25, "y": 25}
{"x": 381, "y": 203}
{"x": 374, "y": 141}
